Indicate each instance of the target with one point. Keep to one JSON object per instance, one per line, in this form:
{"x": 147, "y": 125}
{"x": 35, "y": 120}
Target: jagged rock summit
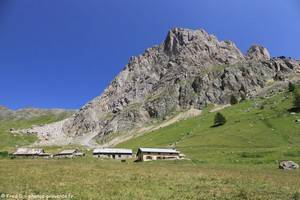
{"x": 189, "y": 70}
{"x": 259, "y": 53}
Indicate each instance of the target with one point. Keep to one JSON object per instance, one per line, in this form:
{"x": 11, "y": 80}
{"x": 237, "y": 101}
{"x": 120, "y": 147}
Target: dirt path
{"x": 219, "y": 107}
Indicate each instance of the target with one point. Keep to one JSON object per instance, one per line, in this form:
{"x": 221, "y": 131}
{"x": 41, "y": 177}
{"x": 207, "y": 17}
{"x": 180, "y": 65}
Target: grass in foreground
{"x": 88, "y": 178}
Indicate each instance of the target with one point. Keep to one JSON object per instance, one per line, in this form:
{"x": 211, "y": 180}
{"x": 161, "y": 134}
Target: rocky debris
{"x": 288, "y": 165}
{"x": 189, "y": 70}
{"x": 50, "y": 134}
{"x": 258, "y": 53}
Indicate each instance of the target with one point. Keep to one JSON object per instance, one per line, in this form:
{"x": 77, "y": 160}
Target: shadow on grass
{"x": 216, "y": 125}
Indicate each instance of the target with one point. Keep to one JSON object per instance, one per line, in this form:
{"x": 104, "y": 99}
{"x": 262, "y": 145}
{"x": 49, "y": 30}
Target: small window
{"x": 149, "y": 157}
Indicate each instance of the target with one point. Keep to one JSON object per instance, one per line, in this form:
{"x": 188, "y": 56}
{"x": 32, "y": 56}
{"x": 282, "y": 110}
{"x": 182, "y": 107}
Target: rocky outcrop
{"x": 190, "y": 69}
{"x": 258, "y": 53}
{"x": 288, "y": 165}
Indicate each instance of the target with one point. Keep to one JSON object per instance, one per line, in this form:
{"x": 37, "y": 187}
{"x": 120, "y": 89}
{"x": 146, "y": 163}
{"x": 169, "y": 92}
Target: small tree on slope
{"x": 297, "y": 102}
{"x": 292, "y": 87}
{"x": 233, "y": 100}
{"x": 219, "y": 120}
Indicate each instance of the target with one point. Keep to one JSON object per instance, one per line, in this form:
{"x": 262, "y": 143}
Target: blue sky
{"x": 63, "y": 53}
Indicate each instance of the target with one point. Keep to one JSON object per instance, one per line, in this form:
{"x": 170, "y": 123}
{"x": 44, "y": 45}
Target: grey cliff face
{"x": 190, "y": 69}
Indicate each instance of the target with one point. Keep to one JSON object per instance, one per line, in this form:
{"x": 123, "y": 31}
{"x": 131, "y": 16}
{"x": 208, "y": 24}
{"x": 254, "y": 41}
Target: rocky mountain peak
{"x": 179, "y": 37}
{"x": 205, "y": 48}
{"x": 258, "y": 53}
{"x": 189, "y": 70}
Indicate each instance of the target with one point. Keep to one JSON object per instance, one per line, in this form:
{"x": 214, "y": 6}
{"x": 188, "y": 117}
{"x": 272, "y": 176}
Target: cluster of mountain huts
{"x": 143, "y": 154}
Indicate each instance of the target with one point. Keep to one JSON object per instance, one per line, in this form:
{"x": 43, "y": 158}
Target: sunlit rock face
{"x": 190, "y": 69}
{"x": 258, "y": 53}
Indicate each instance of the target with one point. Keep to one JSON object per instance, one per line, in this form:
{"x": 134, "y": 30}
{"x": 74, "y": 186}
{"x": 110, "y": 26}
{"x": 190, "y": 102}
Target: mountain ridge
{"x": 190, "y": 69}
{"x": 29, "y": 112}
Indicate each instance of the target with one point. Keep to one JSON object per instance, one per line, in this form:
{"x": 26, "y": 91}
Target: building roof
{"x": 69, "y": 151}
{"x": 112, "y": 150}
{"x": 28, "y": 151}
{"x": 158, "y": 150}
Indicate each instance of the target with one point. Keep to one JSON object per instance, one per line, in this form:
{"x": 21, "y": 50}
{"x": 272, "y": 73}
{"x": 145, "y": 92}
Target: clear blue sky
{"x": 62, "y": 53}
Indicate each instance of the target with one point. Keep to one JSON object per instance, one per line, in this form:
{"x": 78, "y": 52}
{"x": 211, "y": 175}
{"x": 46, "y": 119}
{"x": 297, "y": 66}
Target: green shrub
{"x": 219, "y": 120}
{"x": 3, "y": 154}
{"x": 292, "y": 87}
{"x": 233, "y": 100}
{"x": 243, "y": 97}
{"x": 297, "y": 101}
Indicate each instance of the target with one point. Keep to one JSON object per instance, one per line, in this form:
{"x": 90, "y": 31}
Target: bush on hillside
{"x": 233, "y": 100}
{"x": 243, "y": 97}
{"x": 219, "y": 120}
{"x": 292, "y": 87}
{"x": 297, "y": 102}
{"x": 3, "y": 154}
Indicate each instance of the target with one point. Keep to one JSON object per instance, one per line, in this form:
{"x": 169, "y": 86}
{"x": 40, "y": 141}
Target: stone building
{"x": 147, "y": 154}
{"x": 30, "y": 153}
{"x": 113, "y": 153}
{"x": 71, "y": 153}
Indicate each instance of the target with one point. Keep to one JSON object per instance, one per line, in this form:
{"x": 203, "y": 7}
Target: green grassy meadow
{"x": 238, "y": 160}
{"x": 89, "y": 178}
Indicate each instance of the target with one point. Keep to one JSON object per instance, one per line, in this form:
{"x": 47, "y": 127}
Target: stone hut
{"x": 148, "y": 154}
{"x": 113, "y": 153}
{"x": 30, "y": 153}
{"x": 71, "y": 153}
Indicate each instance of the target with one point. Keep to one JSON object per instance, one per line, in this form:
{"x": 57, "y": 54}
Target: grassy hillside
{"x": 9, "y": 141}
{"x": 257, "y": 131}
